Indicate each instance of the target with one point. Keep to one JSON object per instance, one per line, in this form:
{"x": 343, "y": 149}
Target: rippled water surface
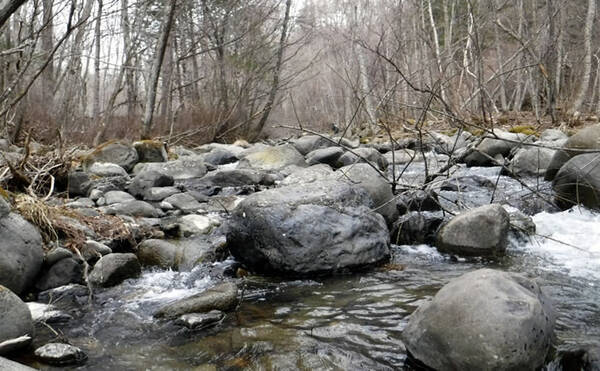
{"x": 348, "y": 322}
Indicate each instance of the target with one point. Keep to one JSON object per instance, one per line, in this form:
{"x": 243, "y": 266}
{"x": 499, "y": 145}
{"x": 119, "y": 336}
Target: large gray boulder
{"x": 232, "y": 178}
{"x": 532, "y": 161}
{"x": 585, "y": 139}
{"x": 482, "y": 231}
{"x": 116, "y": 152}
{"x": 578, "y": 182}
{"x": 15, "y": 321}
{"x": 113, "y": 269}
{"x": 364, "y": 176}
{"x": 223, "y": 297}
{"x": 483, "y": 320}
{"x": 500, "y": 144}
{"x": 319, "y": 227}
{"x": 273, "y": 158}
{"x": 21, "y": 253}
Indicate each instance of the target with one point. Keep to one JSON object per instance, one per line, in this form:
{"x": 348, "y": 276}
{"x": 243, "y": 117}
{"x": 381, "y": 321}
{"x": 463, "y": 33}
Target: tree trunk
{"x": 96, "y": 104}
{"x": 276, "y": 73}
{"x": 8, "y": 9}
{"x": 587, "y": 60}
{"x": 156, "y": 66}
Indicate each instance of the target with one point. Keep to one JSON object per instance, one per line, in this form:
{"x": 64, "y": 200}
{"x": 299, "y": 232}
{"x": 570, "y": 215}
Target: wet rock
{"x": 308, "y": 175}
{"x": 133, "y": 208}
{"x": 61, "y": 273}
{"x": 481, "y": 231}
{"x": 184, "y": 202}
{"x": 521, "y": 226}
{"x": 416, "y": 228}
{"x": 586, "y": 359}
{"x": 21, "y": 253}
{"x": 329, "y": 156}
{"x": 364, "y": 176}
{"x": 320, "y": 227}
{"x": 585, "y": 139}
{"x": 159, "y": 253}
{"x": 73, "y": 293}
{"x": 578, "y": 182}
{"x": 55, "y": 255}
{"x": 106, "y": 169}
{"x": 273, "y": 158}
{"x": 181, "y": 255}
{"x": 309, "y": 143}
{"x": 188, "y": 167}
{"x": 363, "y": 154}
{"x": 145, "y": 180}
{"x": 490, "y": 147}
{"x": 483, "y": 320}
{"x": 93, "y": 250}
{"x": 151, "y": 151}
{"x": 15, "y": 323}
{"x": 160, "y": 193}
{"x": 119, "y": 153}
{"x": 113, "y": 269}
{"x": 200, "y": 320}
{"x": 60, "y": 354}
{"x": 8, "y": 365}
{"x": 417, "y": 200}
{"x": 47, "y": 313}
{"x": 223, "y": 297}
{"x": 468, "y": 183}
{"x": 531, "y": 161}
{"x": 116, "y": 197}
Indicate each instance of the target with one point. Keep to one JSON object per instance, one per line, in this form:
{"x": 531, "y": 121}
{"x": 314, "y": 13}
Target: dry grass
{"x": 61, "y": 223}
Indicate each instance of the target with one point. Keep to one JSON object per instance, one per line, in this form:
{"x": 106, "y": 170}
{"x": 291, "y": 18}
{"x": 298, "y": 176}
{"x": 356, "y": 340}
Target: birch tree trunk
{"x": 156, "y": 66}
{"x": 587, "y": 60}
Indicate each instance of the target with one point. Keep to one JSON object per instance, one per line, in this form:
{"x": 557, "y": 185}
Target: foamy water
{"x": 569, "y": 241}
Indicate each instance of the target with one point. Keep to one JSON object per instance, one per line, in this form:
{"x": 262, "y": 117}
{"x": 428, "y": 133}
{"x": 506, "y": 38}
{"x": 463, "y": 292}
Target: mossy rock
{"x": 524, "y": 129}
{"x": 151, "y": 151}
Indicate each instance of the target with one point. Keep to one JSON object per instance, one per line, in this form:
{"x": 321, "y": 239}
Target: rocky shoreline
{"x": 311, "y": 206}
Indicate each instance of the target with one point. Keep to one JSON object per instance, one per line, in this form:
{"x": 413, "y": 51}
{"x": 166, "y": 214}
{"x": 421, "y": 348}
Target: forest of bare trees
{"x": 218, "y": 70}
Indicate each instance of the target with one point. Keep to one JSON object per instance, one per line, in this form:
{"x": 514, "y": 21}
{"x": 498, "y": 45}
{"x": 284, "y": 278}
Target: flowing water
{"x": 349, "y": 322}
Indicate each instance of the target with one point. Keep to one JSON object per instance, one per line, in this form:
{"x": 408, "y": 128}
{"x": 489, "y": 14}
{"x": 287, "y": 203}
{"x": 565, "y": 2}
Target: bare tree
{"x": 156, "y": 66}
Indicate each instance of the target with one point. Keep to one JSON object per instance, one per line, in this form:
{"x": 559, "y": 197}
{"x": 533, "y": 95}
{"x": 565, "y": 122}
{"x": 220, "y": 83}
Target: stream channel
{"x": 345, "y": 322}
